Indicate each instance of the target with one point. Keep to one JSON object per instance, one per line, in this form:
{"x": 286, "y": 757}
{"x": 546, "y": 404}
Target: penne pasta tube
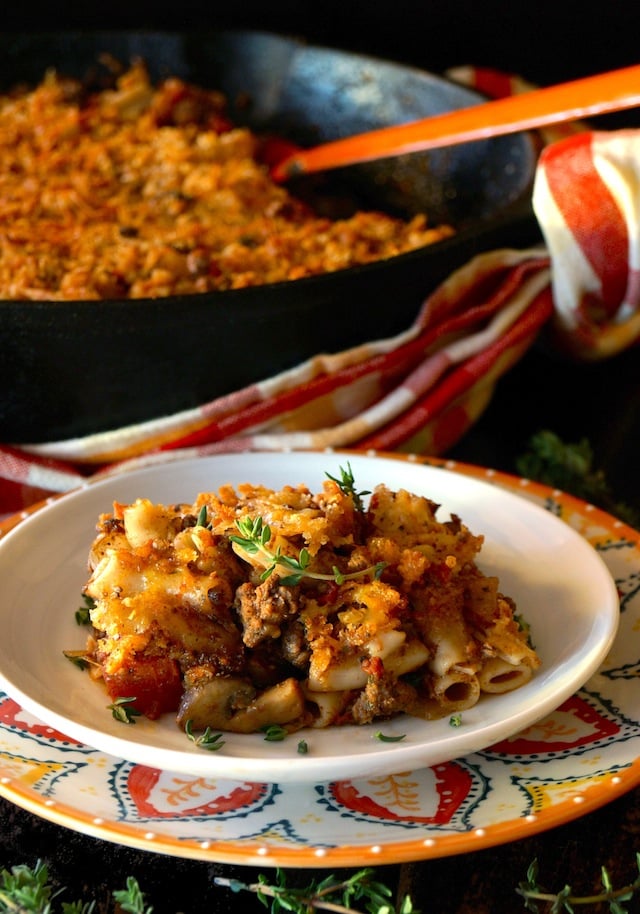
{"x": 326, "y": 706}
{"x": 408, "y": 657}
{"x": 398, "y": 656}
{"x": 498, "y": 675}
{"x": 446, "y": 633}
{"x": 457, "y": 690}
{"x": 340, "y": 676}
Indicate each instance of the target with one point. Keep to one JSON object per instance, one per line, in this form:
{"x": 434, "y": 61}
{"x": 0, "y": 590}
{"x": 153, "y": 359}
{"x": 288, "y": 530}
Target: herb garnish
{"x": 26, "y": 890}
{"x": 274, "y": 733}
{"x": 254, "y": 540}
{"x": 123, "y": 710}
{"x": 77, "y": 658}
{"x": 347, "y": 484}
{"x": 202, "y": 519}
{"x": 389, "y": 739}
{"x": 83, "y": 613}
{"x": 205, "y": 740}
{"x": 455, "y": 720}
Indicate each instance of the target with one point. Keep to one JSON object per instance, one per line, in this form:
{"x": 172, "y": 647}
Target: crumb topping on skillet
{"x": 146, "y": 191}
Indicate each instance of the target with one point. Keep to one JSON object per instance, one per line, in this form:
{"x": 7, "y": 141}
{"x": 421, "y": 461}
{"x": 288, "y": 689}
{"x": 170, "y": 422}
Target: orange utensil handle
{"x": 587, "y": 97}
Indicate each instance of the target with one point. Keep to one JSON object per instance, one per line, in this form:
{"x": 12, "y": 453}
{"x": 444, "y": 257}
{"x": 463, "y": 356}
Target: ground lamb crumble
{"x": 146, "y": 191}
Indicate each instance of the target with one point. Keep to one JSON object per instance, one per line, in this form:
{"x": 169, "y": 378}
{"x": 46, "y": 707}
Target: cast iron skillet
{"x": 72, "y": 368}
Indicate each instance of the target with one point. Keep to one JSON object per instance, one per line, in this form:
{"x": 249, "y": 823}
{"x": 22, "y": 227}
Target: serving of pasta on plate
{"x": 255, "y": 607}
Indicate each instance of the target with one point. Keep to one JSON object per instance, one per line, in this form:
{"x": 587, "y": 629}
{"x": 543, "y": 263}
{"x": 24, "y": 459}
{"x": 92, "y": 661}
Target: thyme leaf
{"x": 131, "y": 899}
{"x": 77, "y": 658}
{"x": 83, "y": 613}
{"x": 26, "y": 889}
{"x": 206, "y": 740}
{"x": 389, "y": 739}
{"x": 274, "y": 733}
{"x": 123, "y": 710}
{"x": 202, "y": 520}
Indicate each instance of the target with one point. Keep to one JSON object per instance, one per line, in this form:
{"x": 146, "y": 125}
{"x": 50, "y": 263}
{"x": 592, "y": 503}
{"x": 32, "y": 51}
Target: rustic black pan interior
{"x": 71, "y": 368}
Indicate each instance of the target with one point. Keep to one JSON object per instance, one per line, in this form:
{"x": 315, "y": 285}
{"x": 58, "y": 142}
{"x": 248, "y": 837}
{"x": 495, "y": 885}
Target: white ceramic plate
{"x": 560, "y": 584}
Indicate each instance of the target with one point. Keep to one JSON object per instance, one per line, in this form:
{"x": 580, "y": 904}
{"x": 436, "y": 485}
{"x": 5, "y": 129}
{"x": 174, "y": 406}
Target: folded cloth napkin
{"x": 422, "y": 389}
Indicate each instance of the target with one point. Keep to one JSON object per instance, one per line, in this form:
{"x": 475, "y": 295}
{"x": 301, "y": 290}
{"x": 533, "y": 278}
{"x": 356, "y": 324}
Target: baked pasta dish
{"x": 255, "y": 607}
{"x": 145, "y": 191}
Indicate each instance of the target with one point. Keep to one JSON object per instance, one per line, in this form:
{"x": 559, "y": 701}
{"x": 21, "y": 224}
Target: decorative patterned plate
{"x": 576, "y": 758}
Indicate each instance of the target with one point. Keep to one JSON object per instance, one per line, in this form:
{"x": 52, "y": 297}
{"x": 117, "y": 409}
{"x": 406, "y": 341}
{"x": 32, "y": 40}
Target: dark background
{"x": 546, "y": 41}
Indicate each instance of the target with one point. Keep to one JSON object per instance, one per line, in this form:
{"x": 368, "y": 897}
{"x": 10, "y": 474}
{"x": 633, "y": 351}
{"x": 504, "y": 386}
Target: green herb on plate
{"x": 122, "y": 710}
{"x": 206, "y": 740}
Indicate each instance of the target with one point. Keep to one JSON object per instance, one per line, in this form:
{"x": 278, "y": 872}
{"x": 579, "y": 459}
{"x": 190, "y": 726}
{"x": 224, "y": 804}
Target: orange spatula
{"x": 606, "y": 92}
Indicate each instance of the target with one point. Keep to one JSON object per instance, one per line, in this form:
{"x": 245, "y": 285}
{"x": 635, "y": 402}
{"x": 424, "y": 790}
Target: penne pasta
{"x": 498, "y": 675}
{"x": 456, "y": 691}
{"x": 443, "y": 628}
{"x": 327, "y": 706}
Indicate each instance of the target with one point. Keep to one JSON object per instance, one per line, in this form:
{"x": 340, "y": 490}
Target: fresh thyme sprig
{"x": 254, "y": 539}
{"x": 565, "y": 900}
{"x": 23, "y": 888}
{"x": 348, "y": 485}
{"x": 331, "y": 894}
{"x": 27, "y": 890}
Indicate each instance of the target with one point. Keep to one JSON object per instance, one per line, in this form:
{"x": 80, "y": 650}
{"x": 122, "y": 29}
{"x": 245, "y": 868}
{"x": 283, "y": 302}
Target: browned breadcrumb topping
{"x": 146, "y": 191}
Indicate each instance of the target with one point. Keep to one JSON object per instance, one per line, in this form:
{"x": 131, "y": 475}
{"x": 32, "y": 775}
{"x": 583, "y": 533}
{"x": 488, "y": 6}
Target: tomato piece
{"x": 154, "y": 682}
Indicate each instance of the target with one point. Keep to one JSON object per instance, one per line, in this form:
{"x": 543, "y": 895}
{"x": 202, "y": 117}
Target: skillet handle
{"x": 615, "y": 90}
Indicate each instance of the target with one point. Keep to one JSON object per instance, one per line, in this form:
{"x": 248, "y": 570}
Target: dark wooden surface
{"x": 546, "y": 42}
